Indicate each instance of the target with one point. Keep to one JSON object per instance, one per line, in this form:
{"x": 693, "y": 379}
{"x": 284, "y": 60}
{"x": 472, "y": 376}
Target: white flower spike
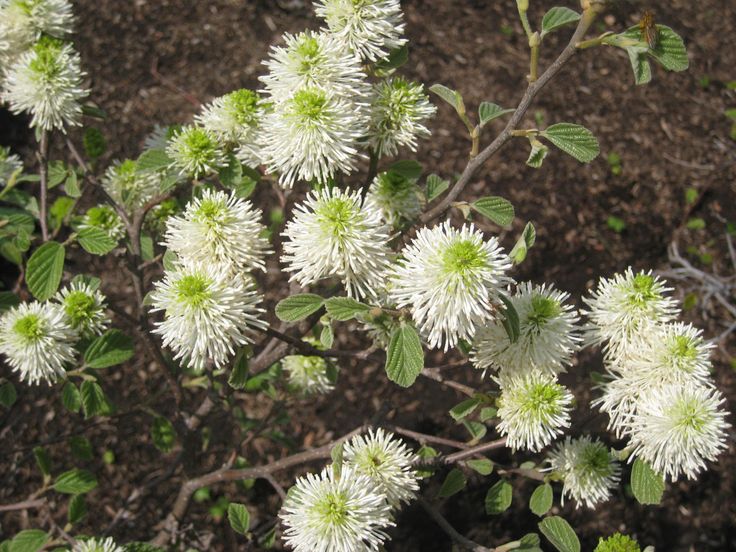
{"x": 84, "y": 307}
{"x": 309, "y": 374}
{"x": 399, "y": 198}
{"x": 97, "y": 545}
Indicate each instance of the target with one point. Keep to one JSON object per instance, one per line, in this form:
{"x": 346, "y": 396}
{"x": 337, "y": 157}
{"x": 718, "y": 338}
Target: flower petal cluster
{"x": 617, "y": 543}
{"x": 38, "y": 341}
{"x": 450, "y": 280}
{"x": 105, "y": 218}
{"x": 309, "y": 374}
{"x": 334, "y": 233}
{"x": 548, "y": 336}
{"x": 589, "y": 470}
{"x": 46, "y": 82}
{"x": 534, "y": 409}
{"x": 398, "y": 197}
{"x": 84, "y": 306}
{"x": 196, "y": 152}
{"x": 22, "y": 22}
{"x": 128, "y": 186}
{"x": 97, "y": 545}
{"x": 219, "y": 228}
{"x": 370, "y": 28}
{"x": 399, "y": 110}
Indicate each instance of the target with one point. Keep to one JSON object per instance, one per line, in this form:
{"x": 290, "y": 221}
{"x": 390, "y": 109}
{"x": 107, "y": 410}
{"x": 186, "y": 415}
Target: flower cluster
{"x": 23, "y": 22}
{"x": 97, "y": 545}
{"x": 398, "y": 197}
{"x": 348, "y": 507}
{"x": 658, "y": 390}
{"x": 128, "y": 186}
{"x": 310, "y": 375}
{"x": 10, "y": 163}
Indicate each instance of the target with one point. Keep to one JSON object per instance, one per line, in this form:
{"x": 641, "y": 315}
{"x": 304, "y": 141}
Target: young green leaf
{"x": 8, "y": 300}
{"x": 498, "y": 497}
{"x": 558, "y": 17}
{"x": 541, "y": 499}
{"x": 646, "y": 484}
{"x": 81, "y": 447}
{"x": 298, "y": 307}
{"x": 510, "y": 319}
{"x": 237, "y": 515}
{"x": 464, "y": 409}
{"x": 96, "y": 241}
{"x": 575, "y": 140}
{"x": 404, "y": 356}
{"x": 30, "y": 540}
{"x": 153, "y": 160}
{"x": 453, "y": 483}
{"x": 75, "y": 482}
{"x": 71, "y": 398}
{"x": 639, "y": 65}
{"x": 488, "y": 111}
{"x": 482, "y": 465}
{"x": 94, "y": 401}
{"x": 43, "y": 273}
{"x": 345, "y": 308}
{"x": 395, "y": 59}
{"x": 560, "y": 534}
{"x": 409, "y": 169}
{"x": 496, "y": 209}
{"x": 538, "y": 153}
{"x": 326, "y": 336}
{"x": 450, "y": 96}
{"x": 670, "y": 51}
{"x": 111, "y": 348}
{"x": 524, "y": 244}
{"x": 163, "y": 434}
{"x": 239, "y": 375}
{"x": 8, "y": 395}
{"x": 77, "y": 509}
{"x": 42, "y": 460}
{"x": 436, "y": 186}
{"x": 71, "y": 185}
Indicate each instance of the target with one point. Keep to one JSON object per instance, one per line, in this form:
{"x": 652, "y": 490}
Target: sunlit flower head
{"x": 97, "y": 545}
{"x": 84, "y": 307}
{"x": 548, "y": 336}
{"x": 9, "y": 164}
{"x": 335, "y": 512}
{"x": 310, "y": 374}
{"x": 160, "y": 136}
{"x": 22, "y": 22}
{"x": 105, "y": 218}
{"x": 46, "y": 82}
{"x": 196, "y": 152}
{"x": 450, "y": 279}
{"x": 588, "y": 469}
{"x": 370, "y": 28}
{"x": 312, "y": 136}
{"x": 399, "y": 111}
{"x": 399, "y": 198}
{"x": 534, "y": 409}
{"x": 387, "y": 461}
{"x": 208, "y": 313}
{"x": 334, "y": 233}
{"x": 617, "y": 543}
{"x": 221, "y": 229}
{"x": 37, "y": 341}
{"x": 624, "y": 307}
{"x": 619, "y": 399}
{"x": 128, "y": 186}
{"x": 315, "y": 60}
{"x": 678, "y": 428}
{"x": 235, "y": 119}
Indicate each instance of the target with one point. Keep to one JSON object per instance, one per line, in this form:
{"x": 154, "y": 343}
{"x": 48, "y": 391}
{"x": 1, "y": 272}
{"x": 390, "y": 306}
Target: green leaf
{"x": 232, "y": 174}
{"x": 147, "y": 252}
{"x": 404, "y": 356}
{"x": 43, "y": 273}
{"x": 646, "y": 484}
{"x": 560, "y": 534}
{"x": 639, "y": 65}
{"x": 450, "y": 96}
{"x": 670, "y": 51}
{"x": 59, "y": 210}
{"x": 487, "y": 111}
{"x": 575, "y": 140}
{"x": 75, "y": 482}
{"x": 8, "y": 395}
{"x": 482, "y": 465}
{"x": 498, "y": 497}
{"x": 94, "y": 401}
{"x": 8, "y": 300}
{"x": 616, "y": 224}
{"x": 327, "y": 336}
{"x": 696, "y": 223}
{"x": 169, "y": 260}
{"x": 345, "y": 308}
{"x": 538, "y": 153}
{"x": 111, "y": 348}
{"x": 81, "y": 447}
{"x": 96, "y": 241}
{"x": 30, "y": 540}
{"x": 453, "y": 483}
{"x": 496, "y": 209}
{"x": 477, "y": 430}
{"x": 558, "y": 17}
{"x": 57, "y": 173}
{"x": 487, "y": 413}
{"x": 71, "y": 398}
{"x": 42, "y": 460}
{"x": 524, "y": 244}
{"x": 541, "y": 499}
{"x": 464, "y": 409}
{"x": 239, "y": 375}
{"x": 237, "y": 515}
{"x": 94, "y": 142}
{"x": 298, "y": 307}
{"x": 510, "y": 319}
{"x": 89, "y": 110}
{"x": 337, "y": 455}
{"x": 77, "y": 509}
{"x": 409, "y": 169}
{"x": 153, "y": 160}
{"x": 529, "y": 543}
{"x": 71, "y": 185}
{"x": 395, "y": 59}
{"x": 436, "y": 186}
{"x": 163, "y": 434}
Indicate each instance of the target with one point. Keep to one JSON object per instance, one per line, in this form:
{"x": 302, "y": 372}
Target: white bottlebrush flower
{"x": 84, "y": 307}
{"x": 534, "y": 409}
{"x": 309, "y": 374}
{"x": 334, "y": 233}
{"x": 312, "y": 136}
{"x": 624, "y": 308}
{"x": 314, "y": 60}
{"x": 547, "y": 339}
{"x": 97, "y": 545}
{"x": 46, "y": 81}
{"x": 370, "y": 28}
{"x": 588, "y": 469}
{"x": 235, "y": 119}
{"x": 221, "y": 229}
{"x": 105, "y": 218}
{"x": 22, "y": 22}
{"x": 678, "y": 428}
{"x": 450, "y": 279}
{"x": 38, "y": 341}
{"x": 9, "y": 164}
{"x": 207, "y": 313}
{"x": 399, "y": 110}
{"x": 387, "y": 461}
{"x": 159, "y": 137}
{"x": 129, "y": 187}
{"x": 399, "y": 198}
{"x": 330, "y": 513}
{"x": 196, "y": 152}
{"x": 619, "y": 399}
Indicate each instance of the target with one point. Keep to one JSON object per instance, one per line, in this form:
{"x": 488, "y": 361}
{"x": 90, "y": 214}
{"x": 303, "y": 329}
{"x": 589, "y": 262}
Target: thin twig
{"x": 434, "y": 374}
{"x": 423, "y": 438}
{"x": 43, "y": 171}
{"x": 24, "y": 505}
{"x": 473, "y": 451}
{"x": 451, "y": 532}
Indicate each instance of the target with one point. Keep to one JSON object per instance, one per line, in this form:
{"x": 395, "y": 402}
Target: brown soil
{"x": 154, "y": 62}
